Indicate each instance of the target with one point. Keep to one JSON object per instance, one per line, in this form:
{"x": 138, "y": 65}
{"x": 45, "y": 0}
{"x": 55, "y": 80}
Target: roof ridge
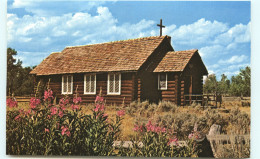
{"x": 119, "y": 41}
{"x": 55, "y": 52}
{"x": 185, "y": 50}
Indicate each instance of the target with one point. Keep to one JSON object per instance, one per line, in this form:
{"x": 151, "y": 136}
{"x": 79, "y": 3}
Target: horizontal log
{"x": 171, "y": 82}
{"x": 168, "y": 96}
{"x": 168, "y": 92}
{"x": 170, "y": 89}
{"x": 168, "y": 99}
{"x": 170, "y": 85}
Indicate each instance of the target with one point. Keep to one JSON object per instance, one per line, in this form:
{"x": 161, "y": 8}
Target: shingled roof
{"x": 126, "y": 55}
{"x": 176, "y": 61}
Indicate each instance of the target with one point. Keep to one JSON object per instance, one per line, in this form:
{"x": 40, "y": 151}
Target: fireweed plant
{"x": 47, "y": 128}
{"x": 158, "y": 141}
{"x": 50, "y": 129}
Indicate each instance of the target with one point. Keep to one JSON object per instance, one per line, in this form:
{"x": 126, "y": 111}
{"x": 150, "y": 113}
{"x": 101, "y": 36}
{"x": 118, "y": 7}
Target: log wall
{"x": 128, "y": 83}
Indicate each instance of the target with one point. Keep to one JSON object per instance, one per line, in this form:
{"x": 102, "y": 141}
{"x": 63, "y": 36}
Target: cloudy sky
{"x": 219, "y": 30}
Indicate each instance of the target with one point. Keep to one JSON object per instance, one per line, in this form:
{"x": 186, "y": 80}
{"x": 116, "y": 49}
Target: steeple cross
{"x": 161, "y": 26}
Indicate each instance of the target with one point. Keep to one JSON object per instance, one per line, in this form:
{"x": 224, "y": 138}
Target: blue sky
{"x": 219, "y": 30}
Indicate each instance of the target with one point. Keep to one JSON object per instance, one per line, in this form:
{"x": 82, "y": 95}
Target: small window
{"x": 114, "y": 84}
{"x": 90, "y": 84}
{"x": 67, "y": 84}
{"x": 162, "y": 81}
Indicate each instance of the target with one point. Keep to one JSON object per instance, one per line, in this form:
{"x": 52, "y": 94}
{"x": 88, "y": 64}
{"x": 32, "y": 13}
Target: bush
{"x": 166, "y": 106}
{"x": 158, "y": 142}
{"x": 48, "y": 129}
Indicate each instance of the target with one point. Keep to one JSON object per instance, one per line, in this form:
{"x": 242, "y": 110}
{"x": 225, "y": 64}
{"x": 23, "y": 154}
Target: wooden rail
{"x": 216, "y": 140}
{"x": 129, "y": 144}
{"x": 21, "y": 99}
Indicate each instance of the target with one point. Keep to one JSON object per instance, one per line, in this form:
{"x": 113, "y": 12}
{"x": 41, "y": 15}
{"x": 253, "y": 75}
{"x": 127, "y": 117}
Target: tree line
{"x": 239, "y": 85}
{"x": 19, "y": 81}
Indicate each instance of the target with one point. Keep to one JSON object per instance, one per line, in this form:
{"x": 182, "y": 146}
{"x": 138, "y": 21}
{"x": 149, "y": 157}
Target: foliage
{"x": 19, "y": 82}
{"x": 240, "y": 122}
{"x": 148, "y": 109}
{"x": 237, "y": 148}
{"x": 210, "y": 85}
{"x": 224, "y": 84}
{"x": 239, "y": 85}
{"x": 48, "y": 129}
{"x": 158, "y": 142}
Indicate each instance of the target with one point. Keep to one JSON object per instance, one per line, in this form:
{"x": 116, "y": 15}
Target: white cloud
{"x": 234, "y": 59}
{"x": 54, "y": 8}
{"x": 238, "y": 34}
{"x": 53, "y": 33}
{"x": 211, "y": 51}
{"x": 202, "y": 31}
{"x": 50, "y": 28}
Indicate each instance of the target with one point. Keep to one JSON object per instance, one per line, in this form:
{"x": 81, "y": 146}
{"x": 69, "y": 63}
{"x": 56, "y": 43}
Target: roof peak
{"x": 111, "y": 42}
{"x": 193, "y": 50}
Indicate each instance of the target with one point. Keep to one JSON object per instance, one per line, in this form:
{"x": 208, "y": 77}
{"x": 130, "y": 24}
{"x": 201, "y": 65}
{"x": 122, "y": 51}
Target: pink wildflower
{"x": 74, "y": 107}
{"x": 163, "y": 130}
{"x": 65, "y": 130}
{"x": 120, "y": 113}
{"x": 149, "y": 126}
{"x": 173, "y": 141}
{"x": 105, "y": 116}
{"x": 77, "y": 100}
{"x": 54, "y": 110}
{"x": 136, "y": 128}
{"x": 46, "y": 130}
{"x": 17, "y": 117}
{"x": 141, "y": 128}
{"x": 34, "y": 102}
{"x": 48, "y": 95}
{"x": 190, "y": 136}
{"x": 63, "y": 102}
{"x": 28, "y": 112}
{"x": 99, "y": 99}
{"x": 21, "y": 111}
{"x": 11, "y": 102}
{"x": 99, "y": 107}
{"x": 60, "y": 113}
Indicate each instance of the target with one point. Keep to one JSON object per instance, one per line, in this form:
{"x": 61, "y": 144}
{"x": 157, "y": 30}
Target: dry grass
{"x": 147, "y": 112}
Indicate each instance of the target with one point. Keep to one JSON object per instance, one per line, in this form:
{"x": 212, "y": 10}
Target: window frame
{"x": 95, "y": 84}
{"x": 62, "y": 84}
{"x": 166, "y": 81}
{"x": 108, "y": 83}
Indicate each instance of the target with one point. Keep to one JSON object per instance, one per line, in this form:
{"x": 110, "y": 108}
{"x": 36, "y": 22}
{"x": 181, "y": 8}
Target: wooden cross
{"x": 161, "y": 26}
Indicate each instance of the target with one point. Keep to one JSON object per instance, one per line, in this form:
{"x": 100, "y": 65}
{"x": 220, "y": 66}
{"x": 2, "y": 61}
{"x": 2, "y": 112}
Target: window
{"x": 67, "y": 84}
{"x": 90, "y": 84}
{"x": 162, "y": 81}
{"x": 114, "y": 84}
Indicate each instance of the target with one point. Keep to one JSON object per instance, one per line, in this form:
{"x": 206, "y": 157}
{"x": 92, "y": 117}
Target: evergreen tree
{"x": 19, "y": 81}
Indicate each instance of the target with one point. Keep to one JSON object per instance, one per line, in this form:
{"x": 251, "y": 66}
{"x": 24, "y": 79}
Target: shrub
{"x": 158, "y": 142}
{"x": 167, "y": 106}
{"x": 239, "y": 122}
{"x": 48, "y": 129}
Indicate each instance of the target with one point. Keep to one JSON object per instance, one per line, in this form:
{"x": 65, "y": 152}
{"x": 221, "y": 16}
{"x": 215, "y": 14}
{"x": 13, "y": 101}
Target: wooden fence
{"x": 214, "y": 140}
{"x": 21, "y": 99}
{"x": 217, "y": 140}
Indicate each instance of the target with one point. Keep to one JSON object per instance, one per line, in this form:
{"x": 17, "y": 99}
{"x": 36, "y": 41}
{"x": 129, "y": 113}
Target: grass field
{"x": 142, "y": 116}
